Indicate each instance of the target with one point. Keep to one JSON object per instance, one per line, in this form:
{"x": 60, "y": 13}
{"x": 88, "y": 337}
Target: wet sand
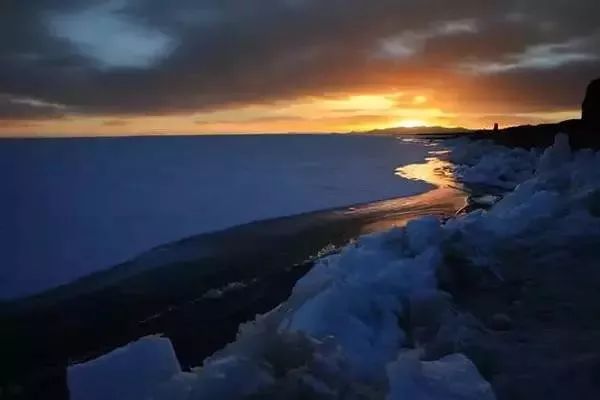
{"x": 171, "y": 290}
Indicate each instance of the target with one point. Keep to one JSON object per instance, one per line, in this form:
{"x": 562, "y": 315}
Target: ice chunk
{"x": 134, "y": 371}
{"x": 230, "y": 378}
{"x": 422, "y": 233}
{"x": 453, "y": 377}
{"x": 364, "y": 324}
{"x": 178, "y": 387}
{"x": 483, "y": 163}
{"x": 555, "y": 155}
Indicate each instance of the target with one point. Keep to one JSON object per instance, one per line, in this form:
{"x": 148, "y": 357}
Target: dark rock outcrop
{"x": 590, "y": 109}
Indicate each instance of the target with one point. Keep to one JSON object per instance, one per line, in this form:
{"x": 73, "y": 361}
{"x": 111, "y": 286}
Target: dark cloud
{"x": 227, "y": 52}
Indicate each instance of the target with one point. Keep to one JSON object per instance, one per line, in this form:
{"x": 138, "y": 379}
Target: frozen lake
{"x": 71, "y": 207}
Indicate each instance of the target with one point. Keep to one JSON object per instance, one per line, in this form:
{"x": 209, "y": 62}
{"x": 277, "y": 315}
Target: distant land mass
{"x": 583, "y": 133}
{"x": 417, "y": 130}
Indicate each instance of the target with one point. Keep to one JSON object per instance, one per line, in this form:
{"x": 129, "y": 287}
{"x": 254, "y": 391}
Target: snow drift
{"x": 372, "y": 321}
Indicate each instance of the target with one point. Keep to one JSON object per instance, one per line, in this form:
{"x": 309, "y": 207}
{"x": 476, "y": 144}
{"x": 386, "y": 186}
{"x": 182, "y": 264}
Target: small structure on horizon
{"x": 495, "y": 127}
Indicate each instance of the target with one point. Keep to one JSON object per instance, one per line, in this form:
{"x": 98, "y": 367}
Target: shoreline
{"x": 373, "y": 209}
{"x": 81, "y": 321}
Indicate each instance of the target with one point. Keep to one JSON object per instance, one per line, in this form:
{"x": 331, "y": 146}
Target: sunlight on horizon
{"x": 434, "y": 170}
{"x": 411, "y": 123}
{"x": 310, "y": 114}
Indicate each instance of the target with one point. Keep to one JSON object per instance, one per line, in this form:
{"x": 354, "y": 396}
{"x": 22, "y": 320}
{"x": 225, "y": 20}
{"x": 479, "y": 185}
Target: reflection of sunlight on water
{"x": 445, "y": 200}
{"x": 448, "y": 198}
{"x": 435, "y": 171}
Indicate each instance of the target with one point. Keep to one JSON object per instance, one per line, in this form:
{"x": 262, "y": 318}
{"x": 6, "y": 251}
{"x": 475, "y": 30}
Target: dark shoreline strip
{"x": 42, "y": 335}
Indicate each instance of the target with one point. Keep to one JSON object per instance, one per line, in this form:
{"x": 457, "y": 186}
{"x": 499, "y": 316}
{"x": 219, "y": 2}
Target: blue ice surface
{"x": 71, "y": 207}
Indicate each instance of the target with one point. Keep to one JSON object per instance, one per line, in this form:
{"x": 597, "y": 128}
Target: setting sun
{"x": 419, "y": 99}
{"x": 410, "y": 123}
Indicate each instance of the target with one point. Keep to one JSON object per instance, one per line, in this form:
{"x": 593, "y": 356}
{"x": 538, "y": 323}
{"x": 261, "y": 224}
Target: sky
{"x": 113, "y": 67}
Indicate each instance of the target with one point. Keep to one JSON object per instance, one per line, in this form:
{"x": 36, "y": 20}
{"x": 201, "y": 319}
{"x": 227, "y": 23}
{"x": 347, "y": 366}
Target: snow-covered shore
{"x": 377, "y": 319}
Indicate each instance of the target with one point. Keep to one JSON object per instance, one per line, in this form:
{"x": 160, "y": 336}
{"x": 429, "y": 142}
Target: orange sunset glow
{"x": 124, "y": 67}
{"x": 357, "y": 112}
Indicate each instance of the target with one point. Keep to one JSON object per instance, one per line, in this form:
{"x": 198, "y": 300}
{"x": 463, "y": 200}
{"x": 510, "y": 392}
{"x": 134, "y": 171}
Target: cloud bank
{"x": 126, "y": 58}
